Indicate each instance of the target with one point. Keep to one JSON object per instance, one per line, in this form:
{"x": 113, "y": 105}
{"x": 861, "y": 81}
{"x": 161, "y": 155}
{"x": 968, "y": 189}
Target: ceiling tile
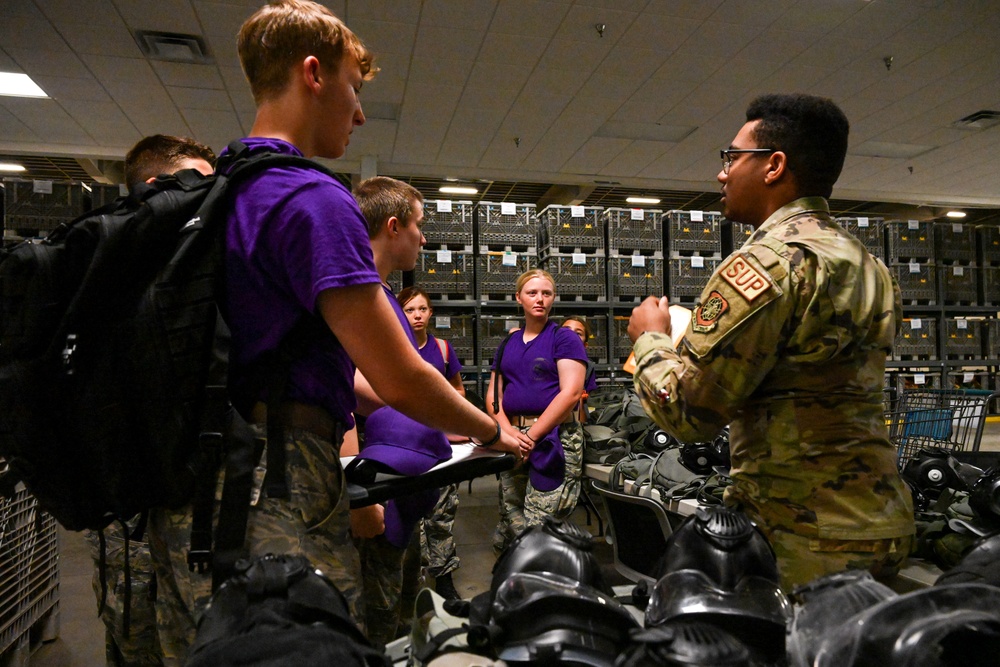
{"x": 215, "y": 128}
{"x": 161, "y": 15}
{"x": 514, "y": 50}
{"x": 635, "y": 157}
{"x": 505, "y": 79}
{"x": 39, "y": 63}
{"x": 595, "y": 154}
{"x": 188, "y": 75}
{"x": 440, "y": 71}
{"x": 473, "y": 14}
{"x": 106, "y": 124}
{"x": 48, "y": 120}
{"x": 12, "y": 129}
{"x": 112, "y": 39}
{"x": 78, "y": 90}
{"x": 22, "y": 32}
{"x": 529, "y": 18}
{"x": 95, "y": 12}
{"x": 200, "y": 98}
{"x": 405, "y": 11}
{"x": 456, "y": 43}
{"x": 569, "y": 54}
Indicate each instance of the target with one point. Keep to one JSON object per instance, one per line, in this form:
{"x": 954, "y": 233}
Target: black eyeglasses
{"x": 727, "y": 155}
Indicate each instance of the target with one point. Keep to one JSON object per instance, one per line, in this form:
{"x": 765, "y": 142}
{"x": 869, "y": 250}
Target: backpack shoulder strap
{"x": 443, "y": 346}
{"x": 497, "y": 373}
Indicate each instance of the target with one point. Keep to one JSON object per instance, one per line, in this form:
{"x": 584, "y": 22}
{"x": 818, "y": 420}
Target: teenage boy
{"x": 297, "y": 247}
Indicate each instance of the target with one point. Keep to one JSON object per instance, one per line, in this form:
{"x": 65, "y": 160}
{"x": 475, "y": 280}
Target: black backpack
{"x": 277, "y": 611}
{"x": 107, "y": 330}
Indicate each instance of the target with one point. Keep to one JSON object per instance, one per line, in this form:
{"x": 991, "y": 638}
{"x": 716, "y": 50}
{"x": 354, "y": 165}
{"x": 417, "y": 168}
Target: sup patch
{"x": 745, "y": 278}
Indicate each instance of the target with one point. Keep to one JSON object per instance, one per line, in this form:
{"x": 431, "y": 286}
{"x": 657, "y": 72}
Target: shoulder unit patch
{"x": 744, "y": 277}
{"x": 707, "y": 314}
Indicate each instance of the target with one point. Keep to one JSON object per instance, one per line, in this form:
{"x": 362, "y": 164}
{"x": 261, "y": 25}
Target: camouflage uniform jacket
{"x": 788, "y": 343}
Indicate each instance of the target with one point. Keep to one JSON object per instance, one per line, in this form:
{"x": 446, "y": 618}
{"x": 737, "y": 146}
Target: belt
{"x": 310, "y": 418}
{"x": 521, "y": 421}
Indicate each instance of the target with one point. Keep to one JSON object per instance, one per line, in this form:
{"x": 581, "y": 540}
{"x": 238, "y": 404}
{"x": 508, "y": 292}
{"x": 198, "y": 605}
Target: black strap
{"x": 243, "y": 452}
{"x": 497, "y": 373}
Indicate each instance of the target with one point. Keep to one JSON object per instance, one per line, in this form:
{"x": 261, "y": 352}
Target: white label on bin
{"x": 862, "y": 222}
{"x": 444, "y": 256}
{"x": 510, "y": 324}
{"x": 914, "y": 267}
{"x": 962, "y": 324}
{"x": 576, "y": 212}
{"x": 444, "y": 206}
{"x": 967, "y": 378}
{"x": 442, "y": 322}
{"x": 697, "y": 216}
{"x": 122, "y": 190}
{"x": 508, "y": 208}
{"x": 956, "y": 227}
{"x": 579, "y": 258}
{"x": 919, "y": 378}
{"x": 41, "y": 187}
{"x": 638, "y": 260}
{"x": 636, "y": 214}
{"x": 697, "y": 262}
{"x": 916, "y": 323}
{"x": 958, "y": 270}
{"x": 509, "y": 259}
{"x": 912, "y": 224}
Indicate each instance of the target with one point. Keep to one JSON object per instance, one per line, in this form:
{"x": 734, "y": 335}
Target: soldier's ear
{"x": 777, "y": 167}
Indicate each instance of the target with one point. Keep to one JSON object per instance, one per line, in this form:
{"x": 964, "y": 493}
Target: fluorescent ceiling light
{"x": 642, "y": 200}
{"x": 11, "y": 168}
{"x": 19, "y": 85}
{"x": 456, "y": 190}
{"x": 955, "y": 214}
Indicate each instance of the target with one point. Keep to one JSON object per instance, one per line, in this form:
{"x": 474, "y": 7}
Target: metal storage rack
{"x": 29, "y": 576}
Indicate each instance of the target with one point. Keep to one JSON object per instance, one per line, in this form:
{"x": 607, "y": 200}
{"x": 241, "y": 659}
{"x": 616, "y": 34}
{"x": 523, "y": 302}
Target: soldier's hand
{"x": 511, "y": 444}
{"x": 652, "y": 314}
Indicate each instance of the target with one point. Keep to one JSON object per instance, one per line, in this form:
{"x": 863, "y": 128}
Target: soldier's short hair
{"x": 381, "y": 198}
{"x": 283, "y": 33}
{"x": 161, "y": 154}
{"x": 811, "y": 131}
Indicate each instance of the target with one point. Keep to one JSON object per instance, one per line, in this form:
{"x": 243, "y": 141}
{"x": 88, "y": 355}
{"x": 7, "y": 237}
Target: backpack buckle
{"x": 199, "y": 560}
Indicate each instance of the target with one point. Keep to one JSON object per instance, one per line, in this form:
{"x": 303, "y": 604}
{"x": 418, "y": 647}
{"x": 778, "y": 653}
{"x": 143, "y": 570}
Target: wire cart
{"x": 952, "y": 419}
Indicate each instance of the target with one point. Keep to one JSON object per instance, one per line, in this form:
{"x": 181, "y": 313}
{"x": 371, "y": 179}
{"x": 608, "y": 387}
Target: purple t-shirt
{"x": 431, "y": 353}
{"x": 293, "y": 233}
{"x": 531, "y": 378}
{"x": 400, "y": 314}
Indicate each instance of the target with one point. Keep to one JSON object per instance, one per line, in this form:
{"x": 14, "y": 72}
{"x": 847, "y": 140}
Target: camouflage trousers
{"x": 313, "y": 521}
{"x": 523, "y": 506}
{"x": 437, "y": 538}
{"x": 140, "y": 648}
{"x": 802, "y": 559}
{"x": 390, "y": 580}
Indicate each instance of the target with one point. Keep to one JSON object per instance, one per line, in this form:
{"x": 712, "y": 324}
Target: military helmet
{"x": 685, "y": 643}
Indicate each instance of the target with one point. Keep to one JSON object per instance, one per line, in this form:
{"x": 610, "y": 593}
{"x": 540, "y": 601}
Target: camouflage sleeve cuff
{"x": 650, "y": 342}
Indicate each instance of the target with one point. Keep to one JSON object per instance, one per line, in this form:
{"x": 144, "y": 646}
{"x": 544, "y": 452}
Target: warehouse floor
{"x": 80, "y": 642}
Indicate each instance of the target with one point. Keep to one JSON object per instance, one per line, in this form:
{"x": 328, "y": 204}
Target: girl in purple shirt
{"x": 542, "y": 368}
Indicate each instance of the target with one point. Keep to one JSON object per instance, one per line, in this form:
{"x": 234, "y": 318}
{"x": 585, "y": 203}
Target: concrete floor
{"x": 81, "y": 636}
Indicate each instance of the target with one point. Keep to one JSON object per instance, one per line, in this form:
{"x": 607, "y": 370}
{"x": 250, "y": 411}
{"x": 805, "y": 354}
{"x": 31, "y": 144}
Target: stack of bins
{"x": 869, "y": 230}
{"x": 694, "y": 240}
{"x": 35, "y": 208}
{"x": 734, "y": 235}
{"x": 571, "y": 248}
{"x": 955, "y": 249}
{"x": 492, "y": 330}
{"x": 989, "y": 267}
{"x": 910, "y": 258}
{"x": 635, "y": 253}
{"x": 916, "y": 340}
{"x": 636, "y": 265}
{"x": 446, "y": 265}
{"x": 102, "y": 194}
{"x": 508, "y": 246}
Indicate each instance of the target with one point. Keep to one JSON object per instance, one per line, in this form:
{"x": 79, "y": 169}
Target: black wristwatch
{"x": 494, "y": 440}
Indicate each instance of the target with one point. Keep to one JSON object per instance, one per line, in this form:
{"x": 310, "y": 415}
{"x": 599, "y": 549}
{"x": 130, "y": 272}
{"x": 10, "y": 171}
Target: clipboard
{"x": 680, "y": 322}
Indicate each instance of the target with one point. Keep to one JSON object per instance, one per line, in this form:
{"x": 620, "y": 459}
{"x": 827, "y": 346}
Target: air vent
{"x": 978, "y": 121}
{"x": 173, "y": 46}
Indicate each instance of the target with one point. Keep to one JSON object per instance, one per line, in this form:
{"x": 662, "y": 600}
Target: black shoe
{"x": 445, "y": 587}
